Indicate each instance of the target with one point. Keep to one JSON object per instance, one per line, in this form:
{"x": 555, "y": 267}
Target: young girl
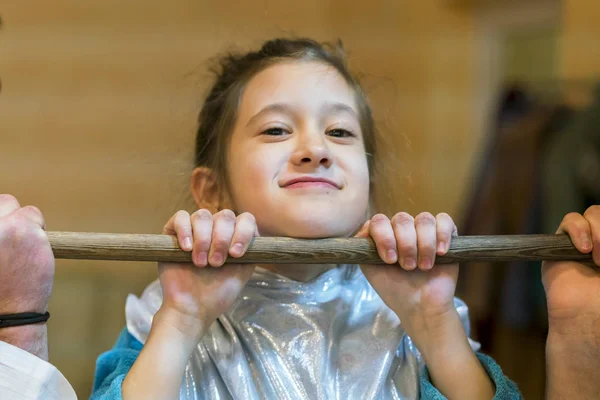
{"x": 285, "y": 146}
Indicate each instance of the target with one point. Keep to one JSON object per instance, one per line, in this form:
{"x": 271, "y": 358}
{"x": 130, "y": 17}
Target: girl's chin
{"x": 313, "y": 229}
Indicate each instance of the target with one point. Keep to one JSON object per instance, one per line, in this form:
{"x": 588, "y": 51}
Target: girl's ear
{"x": 205, "y": 189}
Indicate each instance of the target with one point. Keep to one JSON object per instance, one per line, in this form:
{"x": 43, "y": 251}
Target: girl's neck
{"x": 298, "y": 272}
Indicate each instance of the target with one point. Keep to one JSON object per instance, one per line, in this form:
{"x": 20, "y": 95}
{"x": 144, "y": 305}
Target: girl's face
{"x": 299, "y": 121}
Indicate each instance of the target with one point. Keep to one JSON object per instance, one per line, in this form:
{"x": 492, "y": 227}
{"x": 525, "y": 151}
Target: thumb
{"x": 363, "y": 232}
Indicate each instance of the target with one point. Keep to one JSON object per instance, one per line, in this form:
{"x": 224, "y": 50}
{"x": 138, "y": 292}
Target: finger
{"x": 425, "y": 225}
{"x": 245, "y": 230}
{"x": 592, "y": 215}
{"x": 578, "y": 229}
{"x": 8, "y": 204}
{"x": 32, "y": 213}
{"x": 363, "y": 232}
{"x": 406, "y": 240}
{"x": 202, "y": 228}
{"x": 382, "y": 233}
{"x": 445, "y": 230}
{"x": 223, "y": 228}
{"x": 179, "y": 225}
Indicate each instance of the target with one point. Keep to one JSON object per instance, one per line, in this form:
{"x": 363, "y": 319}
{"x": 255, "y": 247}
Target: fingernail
{"x": 410, "y": 263}
{"x": 201, "y": 258}
{"x": 187, "y": 243}
{"x": 391, "y": 256}
{"x": 425, "y": 263}
{"x": 586, "y": 242}
{"x": 237, "y": 248}
{"x": 441, "y": 247}
{"x": 217, "y": 259}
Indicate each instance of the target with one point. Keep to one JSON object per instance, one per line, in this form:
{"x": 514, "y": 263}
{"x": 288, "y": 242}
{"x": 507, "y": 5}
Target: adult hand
{"x": 26, "y": 272}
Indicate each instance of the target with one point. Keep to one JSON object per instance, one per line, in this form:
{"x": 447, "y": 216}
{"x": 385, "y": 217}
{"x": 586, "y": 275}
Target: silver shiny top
{"x": 329, "y": 338}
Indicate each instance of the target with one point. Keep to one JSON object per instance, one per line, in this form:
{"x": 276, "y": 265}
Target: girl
{"x": 284, "y": 148}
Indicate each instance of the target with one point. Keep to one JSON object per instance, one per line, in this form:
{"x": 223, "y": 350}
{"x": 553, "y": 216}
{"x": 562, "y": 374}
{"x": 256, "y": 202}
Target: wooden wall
{"x": 99, "y": 100}
{"x": 581, "y": 33}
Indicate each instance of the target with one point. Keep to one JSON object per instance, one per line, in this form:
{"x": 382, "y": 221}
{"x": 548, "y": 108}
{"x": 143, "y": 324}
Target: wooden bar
{"x": 279, "y": 250}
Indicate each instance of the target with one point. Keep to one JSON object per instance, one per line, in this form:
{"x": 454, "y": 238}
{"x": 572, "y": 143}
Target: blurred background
{"x": 489, "y": 110}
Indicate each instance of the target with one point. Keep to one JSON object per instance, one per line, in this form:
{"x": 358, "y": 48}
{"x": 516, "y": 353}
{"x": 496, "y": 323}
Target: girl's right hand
{"x": 195, "y": 294}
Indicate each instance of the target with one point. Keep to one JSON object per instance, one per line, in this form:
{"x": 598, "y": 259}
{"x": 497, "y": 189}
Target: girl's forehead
{"x": 306, "y": 84}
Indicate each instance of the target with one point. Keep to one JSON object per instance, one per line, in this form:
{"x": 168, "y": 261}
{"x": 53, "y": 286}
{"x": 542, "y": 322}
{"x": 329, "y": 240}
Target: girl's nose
{"x": 312, "y": 151}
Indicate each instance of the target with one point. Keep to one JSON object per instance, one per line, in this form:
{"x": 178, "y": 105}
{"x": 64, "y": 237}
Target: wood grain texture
{"x": 280, "y": 250}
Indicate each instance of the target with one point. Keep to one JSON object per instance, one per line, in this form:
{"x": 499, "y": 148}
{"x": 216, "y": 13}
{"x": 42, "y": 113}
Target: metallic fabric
{"x": 329, "y": 338}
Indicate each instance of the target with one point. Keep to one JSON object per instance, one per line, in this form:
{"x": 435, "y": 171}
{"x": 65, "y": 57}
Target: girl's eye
{"x": 340, "y": 133}
{"x": 275, "y": 132}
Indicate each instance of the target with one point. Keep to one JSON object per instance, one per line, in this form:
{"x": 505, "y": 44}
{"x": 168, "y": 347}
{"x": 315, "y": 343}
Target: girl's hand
{"x": 411, "y": 285}
{"x": 572, "y": 288}
{"x": 194, "y": 295}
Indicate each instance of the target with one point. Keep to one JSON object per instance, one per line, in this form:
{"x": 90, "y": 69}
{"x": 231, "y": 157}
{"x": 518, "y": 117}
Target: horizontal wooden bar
{"x": 280, "y": 250}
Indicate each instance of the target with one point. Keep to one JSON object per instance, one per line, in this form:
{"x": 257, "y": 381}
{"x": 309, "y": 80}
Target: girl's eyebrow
{"x": 277, "y": 107}
{"x": 289, "y": 109}
{"x": 338, "y": 107}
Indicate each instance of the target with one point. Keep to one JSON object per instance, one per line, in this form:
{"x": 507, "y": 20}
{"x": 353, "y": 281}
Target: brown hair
{"x": 234, "y": 71}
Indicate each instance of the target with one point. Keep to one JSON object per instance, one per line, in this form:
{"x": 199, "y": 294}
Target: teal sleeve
{"x": 505, "y": 388}
{"x": 112, "y": 366}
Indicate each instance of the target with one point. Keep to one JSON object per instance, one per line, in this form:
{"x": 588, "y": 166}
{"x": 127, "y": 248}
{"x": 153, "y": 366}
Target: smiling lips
{"x": 310, "y": 181}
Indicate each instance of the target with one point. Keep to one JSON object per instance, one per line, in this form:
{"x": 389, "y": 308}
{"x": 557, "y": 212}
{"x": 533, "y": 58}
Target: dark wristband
{"x": 22, "y": 319}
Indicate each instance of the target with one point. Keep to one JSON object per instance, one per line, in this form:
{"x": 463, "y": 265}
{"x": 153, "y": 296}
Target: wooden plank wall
{"x": 580, "y": 56}
{"x": 99, "y": 100}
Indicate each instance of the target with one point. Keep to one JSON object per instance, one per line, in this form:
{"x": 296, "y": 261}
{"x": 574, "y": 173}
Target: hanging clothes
{"x": 506, "y": 199}
{"x": 571, "y": 163}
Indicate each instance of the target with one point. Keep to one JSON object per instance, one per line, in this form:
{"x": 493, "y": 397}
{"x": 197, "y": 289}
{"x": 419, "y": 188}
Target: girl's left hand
{"x": 411, "y": 284}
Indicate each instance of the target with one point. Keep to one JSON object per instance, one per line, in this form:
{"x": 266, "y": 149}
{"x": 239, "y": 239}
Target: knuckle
{"x": 444, "y": 218}
{"x": 403, "y": 218}
{"x": 181, "y": 215}
{"x": 226, "y": 214}
{"x": 571, "y": 216}
{"x": 247, "y": 217}
{"x": 407, "y": 248}
{"x": 379, "y": 218}
{"x": 202, "y": 242}
{"x": 9, "y": 199}
{"x": 202, "y": 214}
{"x": 15, "y": 228}
{"x": 244, "y": 230}
{"x": 32, "y": 209}
{"x": 427, "y": 248}
{"x": 443, "y": 236}
{"x": 388, "y": 243}
{"x": 425, "y": 218}
{"x": 220, "y": 242}
{"x": 9, "y": 226}
{"x": 593, "y": 211}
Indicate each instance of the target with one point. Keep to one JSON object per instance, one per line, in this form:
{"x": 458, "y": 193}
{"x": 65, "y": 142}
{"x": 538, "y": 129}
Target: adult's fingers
{"x": 8, "y": 204}
{"x": 32, "y": 213}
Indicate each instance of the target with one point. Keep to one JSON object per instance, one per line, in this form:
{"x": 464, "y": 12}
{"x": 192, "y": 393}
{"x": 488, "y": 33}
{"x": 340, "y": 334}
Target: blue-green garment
{"x": 330, "y": 338}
